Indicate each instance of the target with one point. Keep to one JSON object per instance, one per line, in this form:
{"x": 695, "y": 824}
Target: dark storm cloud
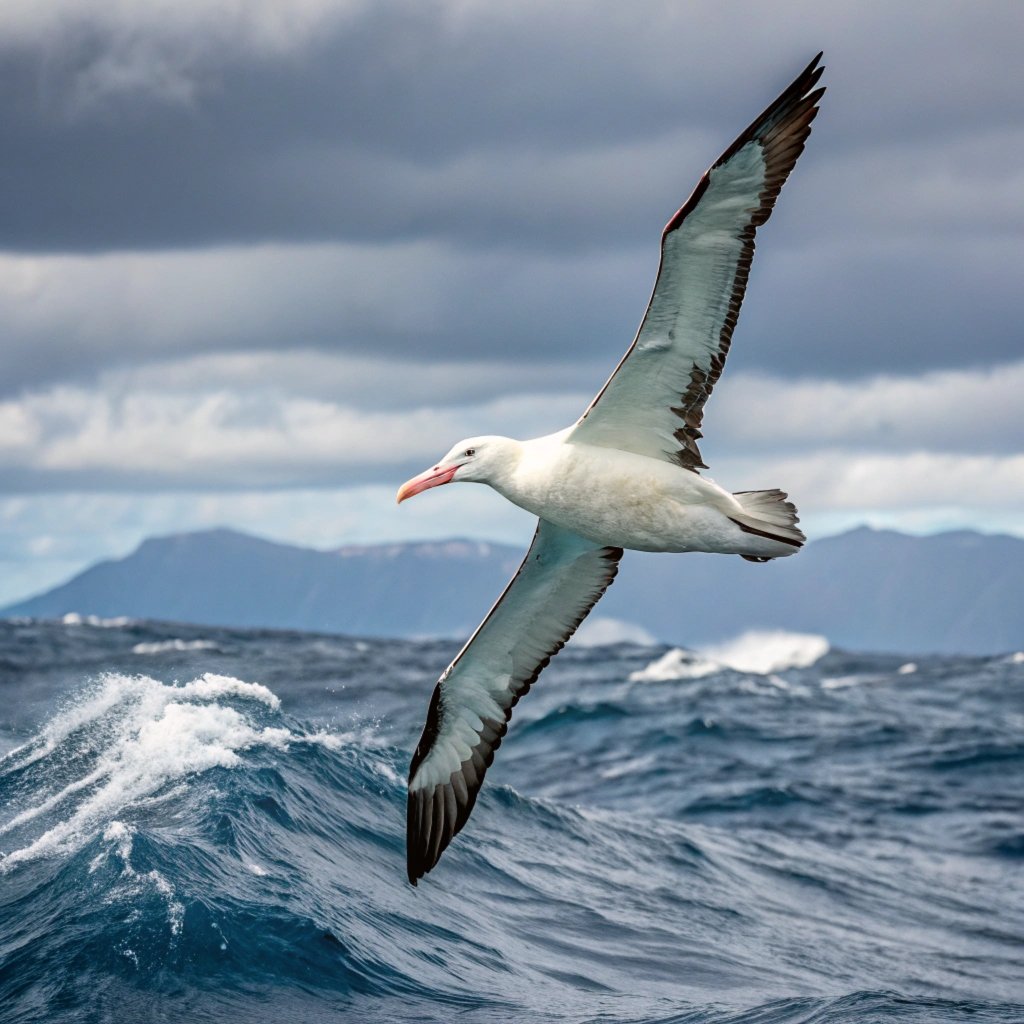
{"x": 280, "y": 254}
{"x": 353, "y": 133}
{"x": 71, "y": 317}
{"x": 811, "y": 312}
{"x": 532, "y": 152}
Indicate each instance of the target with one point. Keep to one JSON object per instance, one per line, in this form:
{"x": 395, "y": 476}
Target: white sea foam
{"x": 858, "y": 679}
{"x": 134, "y": 883}
{"x": 843, "y": 682}
{"x": 76, "y": 619}
{"x": 758, "y": 652}
{"x": 329, "y": 740}
{"x": 676, "y": 664}
{"x": 908, "y": 668}
{"x": 388, "y": 772}
{"x": 140, "y": 735}
{"x": 630, "y": 766}
{"x": 763, "y": 652}
{"x": 162, "y": 646}
{"x": 211, "y": 685}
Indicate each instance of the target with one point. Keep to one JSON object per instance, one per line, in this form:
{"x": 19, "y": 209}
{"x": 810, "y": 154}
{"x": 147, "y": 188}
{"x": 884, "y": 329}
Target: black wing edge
{"x": 782, "y": 132}
{"x": 434, "y": 818}
{"x": 782, "y": 129}
{"x": 790, "y": 114}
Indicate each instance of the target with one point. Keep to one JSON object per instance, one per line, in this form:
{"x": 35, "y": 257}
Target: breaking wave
{"x": 177, "y": 644}
{"x": 757, "y": 652}
{"x": 748, "y": 847}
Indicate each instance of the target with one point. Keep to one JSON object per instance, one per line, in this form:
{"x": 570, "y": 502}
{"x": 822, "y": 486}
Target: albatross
{"x": 625, "y": 475}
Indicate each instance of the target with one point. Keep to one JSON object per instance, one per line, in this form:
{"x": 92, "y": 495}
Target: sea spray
{"x": 223, "y": 837}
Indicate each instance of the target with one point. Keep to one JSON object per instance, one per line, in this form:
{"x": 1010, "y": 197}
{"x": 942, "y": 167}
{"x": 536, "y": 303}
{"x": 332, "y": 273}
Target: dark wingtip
{"x": 799, "y": 89}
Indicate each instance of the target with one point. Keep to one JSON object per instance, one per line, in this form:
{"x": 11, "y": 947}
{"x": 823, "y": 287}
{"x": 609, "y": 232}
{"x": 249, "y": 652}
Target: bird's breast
{"x": 611, "y": 497}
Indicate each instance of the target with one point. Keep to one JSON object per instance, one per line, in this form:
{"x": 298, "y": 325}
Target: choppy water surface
{"x": 198, "y": 823}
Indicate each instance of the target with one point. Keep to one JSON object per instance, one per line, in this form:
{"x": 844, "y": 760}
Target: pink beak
{"x": 430, "y": 478}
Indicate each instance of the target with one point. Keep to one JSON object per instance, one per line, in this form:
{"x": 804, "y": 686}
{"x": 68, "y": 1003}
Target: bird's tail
{"x": 768, "y": 514}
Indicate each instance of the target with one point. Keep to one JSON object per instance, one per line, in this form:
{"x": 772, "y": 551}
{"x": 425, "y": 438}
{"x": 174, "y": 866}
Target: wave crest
{"x": 123, "y": 743}
{"x": 756, "y": 652}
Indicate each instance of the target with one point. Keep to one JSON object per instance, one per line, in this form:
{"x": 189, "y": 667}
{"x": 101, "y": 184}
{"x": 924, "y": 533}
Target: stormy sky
{"x": 260, "y": 261}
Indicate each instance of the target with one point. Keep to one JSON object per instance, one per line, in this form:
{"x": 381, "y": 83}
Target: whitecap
{"x": 857, "y": 679}
{"x": 77, "y": 619}
{"x": 211, "y": 685}
{"x": 757, "y": 652}
{"x": 387, "y": 770}
{"x": 763, "y": 652}
{"x": 145, "y": 734}
{"x": 162, "y": 646}
{"x": 675, "y": 664}
{"x": 630, "y": 766}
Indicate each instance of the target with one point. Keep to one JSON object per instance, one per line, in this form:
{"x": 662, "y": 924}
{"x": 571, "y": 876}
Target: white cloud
{"x": 495, "y": 216}
{"x": 270, "y": 420}
{"x": 808, "y": 437}
{"x": 223, "y": 438}
{"x": 47, "y": 537}
{"x": 907, "y": 481}
{"x": 944, "y": 412}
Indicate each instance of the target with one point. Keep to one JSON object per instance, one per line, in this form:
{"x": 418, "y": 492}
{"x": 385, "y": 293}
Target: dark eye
{"x": 471, "y": 451}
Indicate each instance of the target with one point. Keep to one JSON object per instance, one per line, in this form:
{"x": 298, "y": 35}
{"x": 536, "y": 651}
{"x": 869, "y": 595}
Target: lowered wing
{"x": 653, "y": 403}
{"x": 558, "y": 583}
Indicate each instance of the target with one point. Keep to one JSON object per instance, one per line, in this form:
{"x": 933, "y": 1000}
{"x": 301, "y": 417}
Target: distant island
{"x": 877, "y": 590}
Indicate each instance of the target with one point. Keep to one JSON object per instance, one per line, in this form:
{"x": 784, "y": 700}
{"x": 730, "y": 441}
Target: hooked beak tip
{"x": 431, "y": 478}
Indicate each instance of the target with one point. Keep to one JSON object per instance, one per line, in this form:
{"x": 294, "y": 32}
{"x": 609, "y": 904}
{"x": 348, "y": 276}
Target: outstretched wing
{"x": 653, "y": 403}
{"x": 558, "y": 583}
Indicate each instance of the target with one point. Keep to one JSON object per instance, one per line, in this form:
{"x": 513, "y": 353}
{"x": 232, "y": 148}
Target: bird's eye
{"x": 471, "y": 451}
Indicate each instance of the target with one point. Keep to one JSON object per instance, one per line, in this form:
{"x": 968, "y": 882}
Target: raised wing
{"x": 653, "y": 403}
{"x": 558, "y": 583}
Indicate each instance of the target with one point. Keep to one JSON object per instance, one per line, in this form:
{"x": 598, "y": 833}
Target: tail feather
{"x": 769, "y": 514}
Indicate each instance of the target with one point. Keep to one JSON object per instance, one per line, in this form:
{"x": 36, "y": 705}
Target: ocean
{"x": 202, "y": 824}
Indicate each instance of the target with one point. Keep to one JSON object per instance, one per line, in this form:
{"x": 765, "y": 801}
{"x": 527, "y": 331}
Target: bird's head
{"x": 478, "y": 459}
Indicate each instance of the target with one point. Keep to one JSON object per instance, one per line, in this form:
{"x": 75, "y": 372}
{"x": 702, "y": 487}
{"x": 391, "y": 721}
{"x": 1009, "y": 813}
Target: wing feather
{"x": 561, "y": 579}
{"x": 653, "y": 403}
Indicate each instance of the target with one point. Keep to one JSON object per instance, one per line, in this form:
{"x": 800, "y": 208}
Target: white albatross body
{"x": 619, "y": 499}
{"x": 624, "y": 476}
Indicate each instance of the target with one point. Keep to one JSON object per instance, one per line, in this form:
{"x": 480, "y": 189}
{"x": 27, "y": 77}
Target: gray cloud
{"x": 815, "y": 311}
{"x": 266, "y": 246}
{"x": 189, "y": 426}
{"x": 185, "y": 135}
{"x": 454, "y": 182}
{"x": 69, "y": 317}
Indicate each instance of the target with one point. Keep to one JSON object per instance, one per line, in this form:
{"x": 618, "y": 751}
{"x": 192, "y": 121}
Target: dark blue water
{"x": 207, "y": 825}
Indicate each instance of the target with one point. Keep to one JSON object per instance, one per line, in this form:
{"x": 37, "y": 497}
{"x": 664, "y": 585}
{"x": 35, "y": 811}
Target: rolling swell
{"x": 720, "y": 846}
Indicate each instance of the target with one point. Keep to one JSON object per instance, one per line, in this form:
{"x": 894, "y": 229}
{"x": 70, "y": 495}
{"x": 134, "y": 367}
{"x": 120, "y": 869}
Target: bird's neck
{"x": 524, "y": 471}
{"x": 503, "y": 465}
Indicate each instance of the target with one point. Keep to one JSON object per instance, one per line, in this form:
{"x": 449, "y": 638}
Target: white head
{"x": 477, "y": 459}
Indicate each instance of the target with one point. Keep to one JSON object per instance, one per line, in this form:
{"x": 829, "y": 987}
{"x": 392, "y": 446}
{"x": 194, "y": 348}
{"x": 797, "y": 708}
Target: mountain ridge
{"x": 867, "y": 589}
